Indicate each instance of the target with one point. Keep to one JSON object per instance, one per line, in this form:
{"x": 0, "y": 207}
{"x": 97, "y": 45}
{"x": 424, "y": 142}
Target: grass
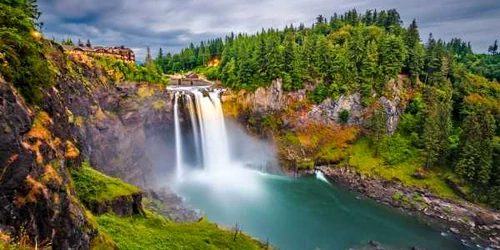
{"x": 154, "y": 232}
{"x": 93, "y": 186}
{"x": 361, "y": 157}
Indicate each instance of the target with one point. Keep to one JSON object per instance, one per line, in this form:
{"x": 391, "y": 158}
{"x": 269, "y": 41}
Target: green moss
{"x": 93, "y": 186}
{"x": 155, "y": 232}
{"x": 397, "y": 196}
{"x": 418, "y": 198}
{"x": 159, "y": 104}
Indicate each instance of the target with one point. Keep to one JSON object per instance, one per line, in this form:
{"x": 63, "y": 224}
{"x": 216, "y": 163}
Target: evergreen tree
{"x": 392, "y": 55}
{"x": 371, "y": 74}
{"x": 160, "y": 54}
{"x": 493, "y": 49}
{"x": 437, "y": 125}
{"x": 475, "y": 162}
{"x": 378, "y": 127}
{"x": 148, "y": 60}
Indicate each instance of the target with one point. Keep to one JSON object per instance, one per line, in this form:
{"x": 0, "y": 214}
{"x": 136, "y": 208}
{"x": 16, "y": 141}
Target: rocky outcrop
{"x": 121, "y": 206}
{"x": 165, "y": 202}
{"x": 461, "y": 218}
{"x": 273, "y": 99}
{"x": 328, "y": 111}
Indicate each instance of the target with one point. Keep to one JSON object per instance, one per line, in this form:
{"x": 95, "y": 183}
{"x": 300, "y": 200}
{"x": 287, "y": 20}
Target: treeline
{"x": 189, "y": 58}
{"x": 452, "y": 120}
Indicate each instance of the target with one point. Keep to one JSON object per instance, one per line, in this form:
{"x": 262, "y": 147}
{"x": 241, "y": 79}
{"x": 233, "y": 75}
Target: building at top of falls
{"x": 120, "y": 53}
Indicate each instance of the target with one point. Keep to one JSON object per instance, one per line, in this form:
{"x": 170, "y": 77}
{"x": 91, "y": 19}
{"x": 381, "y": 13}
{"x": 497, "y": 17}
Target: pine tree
{"x": 378, "y": 127}
{"x": 160, "y": 54}
{"x": 148, "y": 59}
{"x": 88, "y": 44}
{"x": 392, "y": 53}
{"x": 475, "y": 162}
{"x": 493, "y": 49}
{"x": 437, "y": 125}
{"x": 370, "y": 75}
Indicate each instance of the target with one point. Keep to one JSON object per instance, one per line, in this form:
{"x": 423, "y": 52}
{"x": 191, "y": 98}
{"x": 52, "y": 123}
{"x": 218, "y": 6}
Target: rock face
{"x": 460, "y": 218}
{"x": 121, "y": 206}
{"x": 84, "y": 116}
{"x": 34, "y": 181}
{"x": 328, "y": 111}
{"x": 112, "y": 123}
{"x": 165, "y": 202}
{"x": 274, "y": 100}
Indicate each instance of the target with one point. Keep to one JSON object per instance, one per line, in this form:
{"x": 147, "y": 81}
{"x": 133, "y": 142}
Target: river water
{"x": 308, "y": 213}
{"x": 291, "y": 213}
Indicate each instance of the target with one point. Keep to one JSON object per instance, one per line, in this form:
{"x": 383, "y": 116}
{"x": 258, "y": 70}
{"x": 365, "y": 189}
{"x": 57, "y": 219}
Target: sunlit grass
{"x": 154, "y": 232}
{"x": 361, "y": 157}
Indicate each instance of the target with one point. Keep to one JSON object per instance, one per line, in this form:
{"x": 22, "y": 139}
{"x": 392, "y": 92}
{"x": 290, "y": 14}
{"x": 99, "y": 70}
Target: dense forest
{"x": 452, "y": 120}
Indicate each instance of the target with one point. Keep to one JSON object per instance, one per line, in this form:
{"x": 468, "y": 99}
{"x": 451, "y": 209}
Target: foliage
{"x": 122, "y": 71}
{"x": 361, "y": 157}
{"x": 395, "y": 149}
{"x": 154, "y": 232}
{"x": 93, "y": 186}
{"x": 21, "y": 242}
{"x": 22, "y": 59}
{"x": 338, "y": 52}
{"x": 344, "y": 116}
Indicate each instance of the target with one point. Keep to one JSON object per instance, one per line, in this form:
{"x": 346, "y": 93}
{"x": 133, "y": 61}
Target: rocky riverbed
{"x": 467, "y": 221}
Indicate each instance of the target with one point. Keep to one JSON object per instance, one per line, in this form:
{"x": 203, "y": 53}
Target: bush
{"x": 344, "y": 116}
{"x": 395, "y": 149}
{"x": 319, "y": 94}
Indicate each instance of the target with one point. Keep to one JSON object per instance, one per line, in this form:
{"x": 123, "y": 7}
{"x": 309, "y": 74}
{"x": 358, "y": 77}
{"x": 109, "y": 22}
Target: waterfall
{"x": 178, "y": 138}
{"x": 203, "y": 154}
{"x": 215, "y": 145}
{"x": 195, "y": 126}
{"x": 207, "y": 125}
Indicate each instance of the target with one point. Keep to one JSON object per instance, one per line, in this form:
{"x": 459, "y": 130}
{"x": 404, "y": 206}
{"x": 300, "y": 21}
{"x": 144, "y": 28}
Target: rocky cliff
{"x": 83, "y": 116}
{"x": 274, "y": 100}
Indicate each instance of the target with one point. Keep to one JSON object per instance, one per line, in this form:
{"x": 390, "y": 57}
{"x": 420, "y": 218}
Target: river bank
{"x": 467, "y": 221}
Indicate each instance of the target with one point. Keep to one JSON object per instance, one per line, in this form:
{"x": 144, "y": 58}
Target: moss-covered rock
{"x": 102, "y": 194}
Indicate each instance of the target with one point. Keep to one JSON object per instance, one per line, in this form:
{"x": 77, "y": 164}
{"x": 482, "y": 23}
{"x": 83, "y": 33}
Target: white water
{"x": 215, "y": 147}
{"x": 194, "y": 123}
{"x": 320, "y": 176}
{"x": 218, "y": 170}
{"x": 178, "y": 138}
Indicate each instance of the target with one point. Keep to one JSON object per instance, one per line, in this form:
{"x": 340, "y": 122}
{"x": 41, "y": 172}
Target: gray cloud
{"x": 173, "y": 24}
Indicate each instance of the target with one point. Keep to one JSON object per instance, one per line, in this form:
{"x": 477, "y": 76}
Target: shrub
{"x": 395, "y": 149}
{"x": 344, "y": 116}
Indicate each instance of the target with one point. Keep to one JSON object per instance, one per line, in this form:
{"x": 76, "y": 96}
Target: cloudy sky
{"x": 173, "y": 24}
